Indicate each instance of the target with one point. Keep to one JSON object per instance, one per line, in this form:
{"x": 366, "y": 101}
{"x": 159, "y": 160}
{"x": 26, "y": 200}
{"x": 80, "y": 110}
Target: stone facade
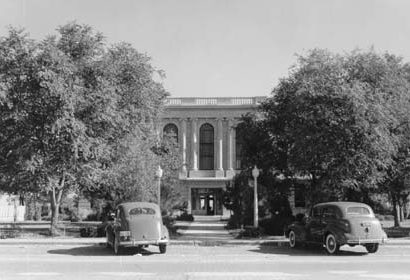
{"x": 202, "y": 187}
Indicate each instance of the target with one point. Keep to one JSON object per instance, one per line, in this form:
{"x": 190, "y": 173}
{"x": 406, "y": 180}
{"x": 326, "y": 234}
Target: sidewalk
{"x": 267, "y": 241}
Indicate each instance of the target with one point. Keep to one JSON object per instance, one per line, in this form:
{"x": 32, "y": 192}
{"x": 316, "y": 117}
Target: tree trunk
{"x": 54, "y": 219}
{"x": 55, "y": 198}
{"x": 396, "y": 212}
{"x": 37, "y": 210}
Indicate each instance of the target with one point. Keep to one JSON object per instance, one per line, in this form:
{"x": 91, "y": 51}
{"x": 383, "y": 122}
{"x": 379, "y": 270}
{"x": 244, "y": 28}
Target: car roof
{"x": 129, "y": 205}
{"x": 342, "y": 204}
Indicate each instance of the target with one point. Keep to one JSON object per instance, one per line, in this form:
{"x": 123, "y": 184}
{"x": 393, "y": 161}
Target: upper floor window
{"x": 171, "y": 130}
{"x": 240, "y": 141}
{"x": 206, "y": 147}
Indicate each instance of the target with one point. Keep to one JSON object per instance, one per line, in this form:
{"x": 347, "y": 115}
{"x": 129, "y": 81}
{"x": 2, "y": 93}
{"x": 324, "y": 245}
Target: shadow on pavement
{"x": 306, "y": 251}
{"x": 102, "y": 251}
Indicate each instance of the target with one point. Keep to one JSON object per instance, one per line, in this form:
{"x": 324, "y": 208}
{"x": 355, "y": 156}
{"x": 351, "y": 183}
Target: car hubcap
{"x": 331, "y": 244}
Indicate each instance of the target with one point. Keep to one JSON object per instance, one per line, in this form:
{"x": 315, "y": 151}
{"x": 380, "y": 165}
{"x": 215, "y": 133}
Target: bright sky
{"x": 224, "y": 47}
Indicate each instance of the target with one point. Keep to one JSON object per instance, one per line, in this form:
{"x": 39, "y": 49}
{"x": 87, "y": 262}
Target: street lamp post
{"x": 158, "y": 175}
{"x": 255, "y": 174}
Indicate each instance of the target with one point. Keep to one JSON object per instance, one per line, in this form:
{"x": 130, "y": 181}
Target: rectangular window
{"x": 329, "y": 213}
{"x": 358, "y": 211}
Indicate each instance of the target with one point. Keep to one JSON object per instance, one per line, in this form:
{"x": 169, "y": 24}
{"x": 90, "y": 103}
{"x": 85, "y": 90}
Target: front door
{"x": 206, "y": 201}
{"x": 313, "y": 225}
{"x": 210, "y": 207}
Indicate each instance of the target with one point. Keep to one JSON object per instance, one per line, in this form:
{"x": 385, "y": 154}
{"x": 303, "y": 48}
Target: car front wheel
{"x": 292, "y": 239}
{"x": 372, "y": 248}
{"x": 331, "y": 244}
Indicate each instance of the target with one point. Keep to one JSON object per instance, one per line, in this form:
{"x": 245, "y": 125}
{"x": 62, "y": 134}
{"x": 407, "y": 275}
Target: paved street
{"x": 197, "y": 262}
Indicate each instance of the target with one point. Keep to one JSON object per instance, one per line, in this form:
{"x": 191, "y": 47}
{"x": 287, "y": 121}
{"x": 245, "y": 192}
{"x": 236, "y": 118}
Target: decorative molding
{"x": 206, "y": 114}
{"x": 214, "y": 101}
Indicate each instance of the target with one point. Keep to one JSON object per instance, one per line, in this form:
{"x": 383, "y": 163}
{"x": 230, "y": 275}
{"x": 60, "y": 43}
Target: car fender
{"x": 299, "y": 230}
{"x": 340, "y": 237}
{"x": 165, "y": 232}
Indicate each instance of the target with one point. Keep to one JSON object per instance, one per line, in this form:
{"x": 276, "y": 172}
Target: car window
{"x": 358, "y": 211}
{"x": 142, "y": 211}
{"x": 316, "y": 212}
{"x": 329, "y": 212}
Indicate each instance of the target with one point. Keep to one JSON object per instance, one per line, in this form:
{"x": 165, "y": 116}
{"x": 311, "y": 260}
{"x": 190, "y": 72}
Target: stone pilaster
{"x": 219, "y": 156}
{"x": 183, "y": 172}
{"x": 231, "y": 149}
{"x": 195, "y": 144}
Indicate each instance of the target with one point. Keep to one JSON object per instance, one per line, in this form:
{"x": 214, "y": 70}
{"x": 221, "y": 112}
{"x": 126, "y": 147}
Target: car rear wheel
{"x": 117, "y": 248}
{"x": 331, "y": 244}
{"x": 372, "y": 248}
{"x": 162, "y": 248}
{"x": 292, "y": 239}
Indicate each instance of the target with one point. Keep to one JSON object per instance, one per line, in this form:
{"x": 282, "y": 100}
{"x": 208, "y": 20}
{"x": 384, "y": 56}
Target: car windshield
{"x": 142, "y": 211}
{"x": 358, "y": 211}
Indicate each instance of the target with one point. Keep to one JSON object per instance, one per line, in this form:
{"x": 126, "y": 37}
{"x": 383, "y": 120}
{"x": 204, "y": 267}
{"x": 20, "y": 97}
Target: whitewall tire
{"x": 292, "y": 239}
{"x": 331, "y": 245}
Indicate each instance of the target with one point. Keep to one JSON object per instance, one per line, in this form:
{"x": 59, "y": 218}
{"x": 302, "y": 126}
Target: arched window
{"x": 206, "y": 147}
{"x": 171, "y": 131}
{"x": 240, "y": 163}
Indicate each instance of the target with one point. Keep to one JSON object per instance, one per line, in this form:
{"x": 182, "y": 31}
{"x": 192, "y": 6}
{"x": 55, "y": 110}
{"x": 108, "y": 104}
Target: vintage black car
{"x": 137, "y": 224}
{"x": 334, "y": 224}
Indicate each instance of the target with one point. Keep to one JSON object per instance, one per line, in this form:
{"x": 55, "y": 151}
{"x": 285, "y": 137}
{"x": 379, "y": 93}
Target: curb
{"x": 101, "y": 242}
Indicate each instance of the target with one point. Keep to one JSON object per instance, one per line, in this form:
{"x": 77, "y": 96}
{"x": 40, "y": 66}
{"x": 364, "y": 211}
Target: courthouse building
{"x": 206, "y": 130}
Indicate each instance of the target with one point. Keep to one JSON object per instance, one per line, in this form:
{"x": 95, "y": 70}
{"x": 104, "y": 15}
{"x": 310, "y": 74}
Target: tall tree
{"x": 171, "y": 163}
{"x": 76, "y": 113}
{"x": 338, "y": 119}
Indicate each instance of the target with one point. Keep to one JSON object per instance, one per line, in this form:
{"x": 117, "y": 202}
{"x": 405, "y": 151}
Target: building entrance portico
{"x": 206, "y": 201}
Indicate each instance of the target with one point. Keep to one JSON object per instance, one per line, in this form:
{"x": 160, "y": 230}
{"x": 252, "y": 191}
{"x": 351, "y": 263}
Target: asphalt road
{"x": 193, "y": 262}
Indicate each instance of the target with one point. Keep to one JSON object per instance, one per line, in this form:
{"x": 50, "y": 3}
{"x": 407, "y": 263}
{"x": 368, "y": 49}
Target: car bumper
{"x": 352, "y": 240}
{"x": 134, "y": 243}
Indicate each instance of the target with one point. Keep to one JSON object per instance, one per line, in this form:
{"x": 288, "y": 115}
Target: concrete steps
{"x": 203, "y": 228}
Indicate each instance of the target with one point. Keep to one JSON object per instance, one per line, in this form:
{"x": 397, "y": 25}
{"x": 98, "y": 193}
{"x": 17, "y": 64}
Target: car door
{"x": 329, "y": 218}
{"x": 313, "y": 225}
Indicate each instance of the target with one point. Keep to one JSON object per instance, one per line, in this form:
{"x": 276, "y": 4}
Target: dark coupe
{"x": 334, "y": 224}
{"x": 137, "y": 224}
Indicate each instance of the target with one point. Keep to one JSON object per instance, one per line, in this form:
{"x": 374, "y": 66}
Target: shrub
{"x": 169, "y": 222}
{"x": 299, "y": 217}
{"x": 185, "y": 217}
{"x": 250, "y": 232}
{"x": 275, "y": 225}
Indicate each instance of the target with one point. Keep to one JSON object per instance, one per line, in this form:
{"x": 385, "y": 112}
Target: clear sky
{"x": 224, "y": 47}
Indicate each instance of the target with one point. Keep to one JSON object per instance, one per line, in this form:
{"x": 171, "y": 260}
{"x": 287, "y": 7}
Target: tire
{"x": 331, "y": 245}
{"x": 117, "y": 248}
{"x": 162, "y": 248}
{"x": 372, "y": 248}
{"x": 292, "y": 239}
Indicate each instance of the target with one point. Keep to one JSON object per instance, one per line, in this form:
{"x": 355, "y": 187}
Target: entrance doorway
{"x": 206, "y": 201}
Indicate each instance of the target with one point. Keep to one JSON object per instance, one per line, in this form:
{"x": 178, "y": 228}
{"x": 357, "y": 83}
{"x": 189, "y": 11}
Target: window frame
{"x": 207, "y": 147}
